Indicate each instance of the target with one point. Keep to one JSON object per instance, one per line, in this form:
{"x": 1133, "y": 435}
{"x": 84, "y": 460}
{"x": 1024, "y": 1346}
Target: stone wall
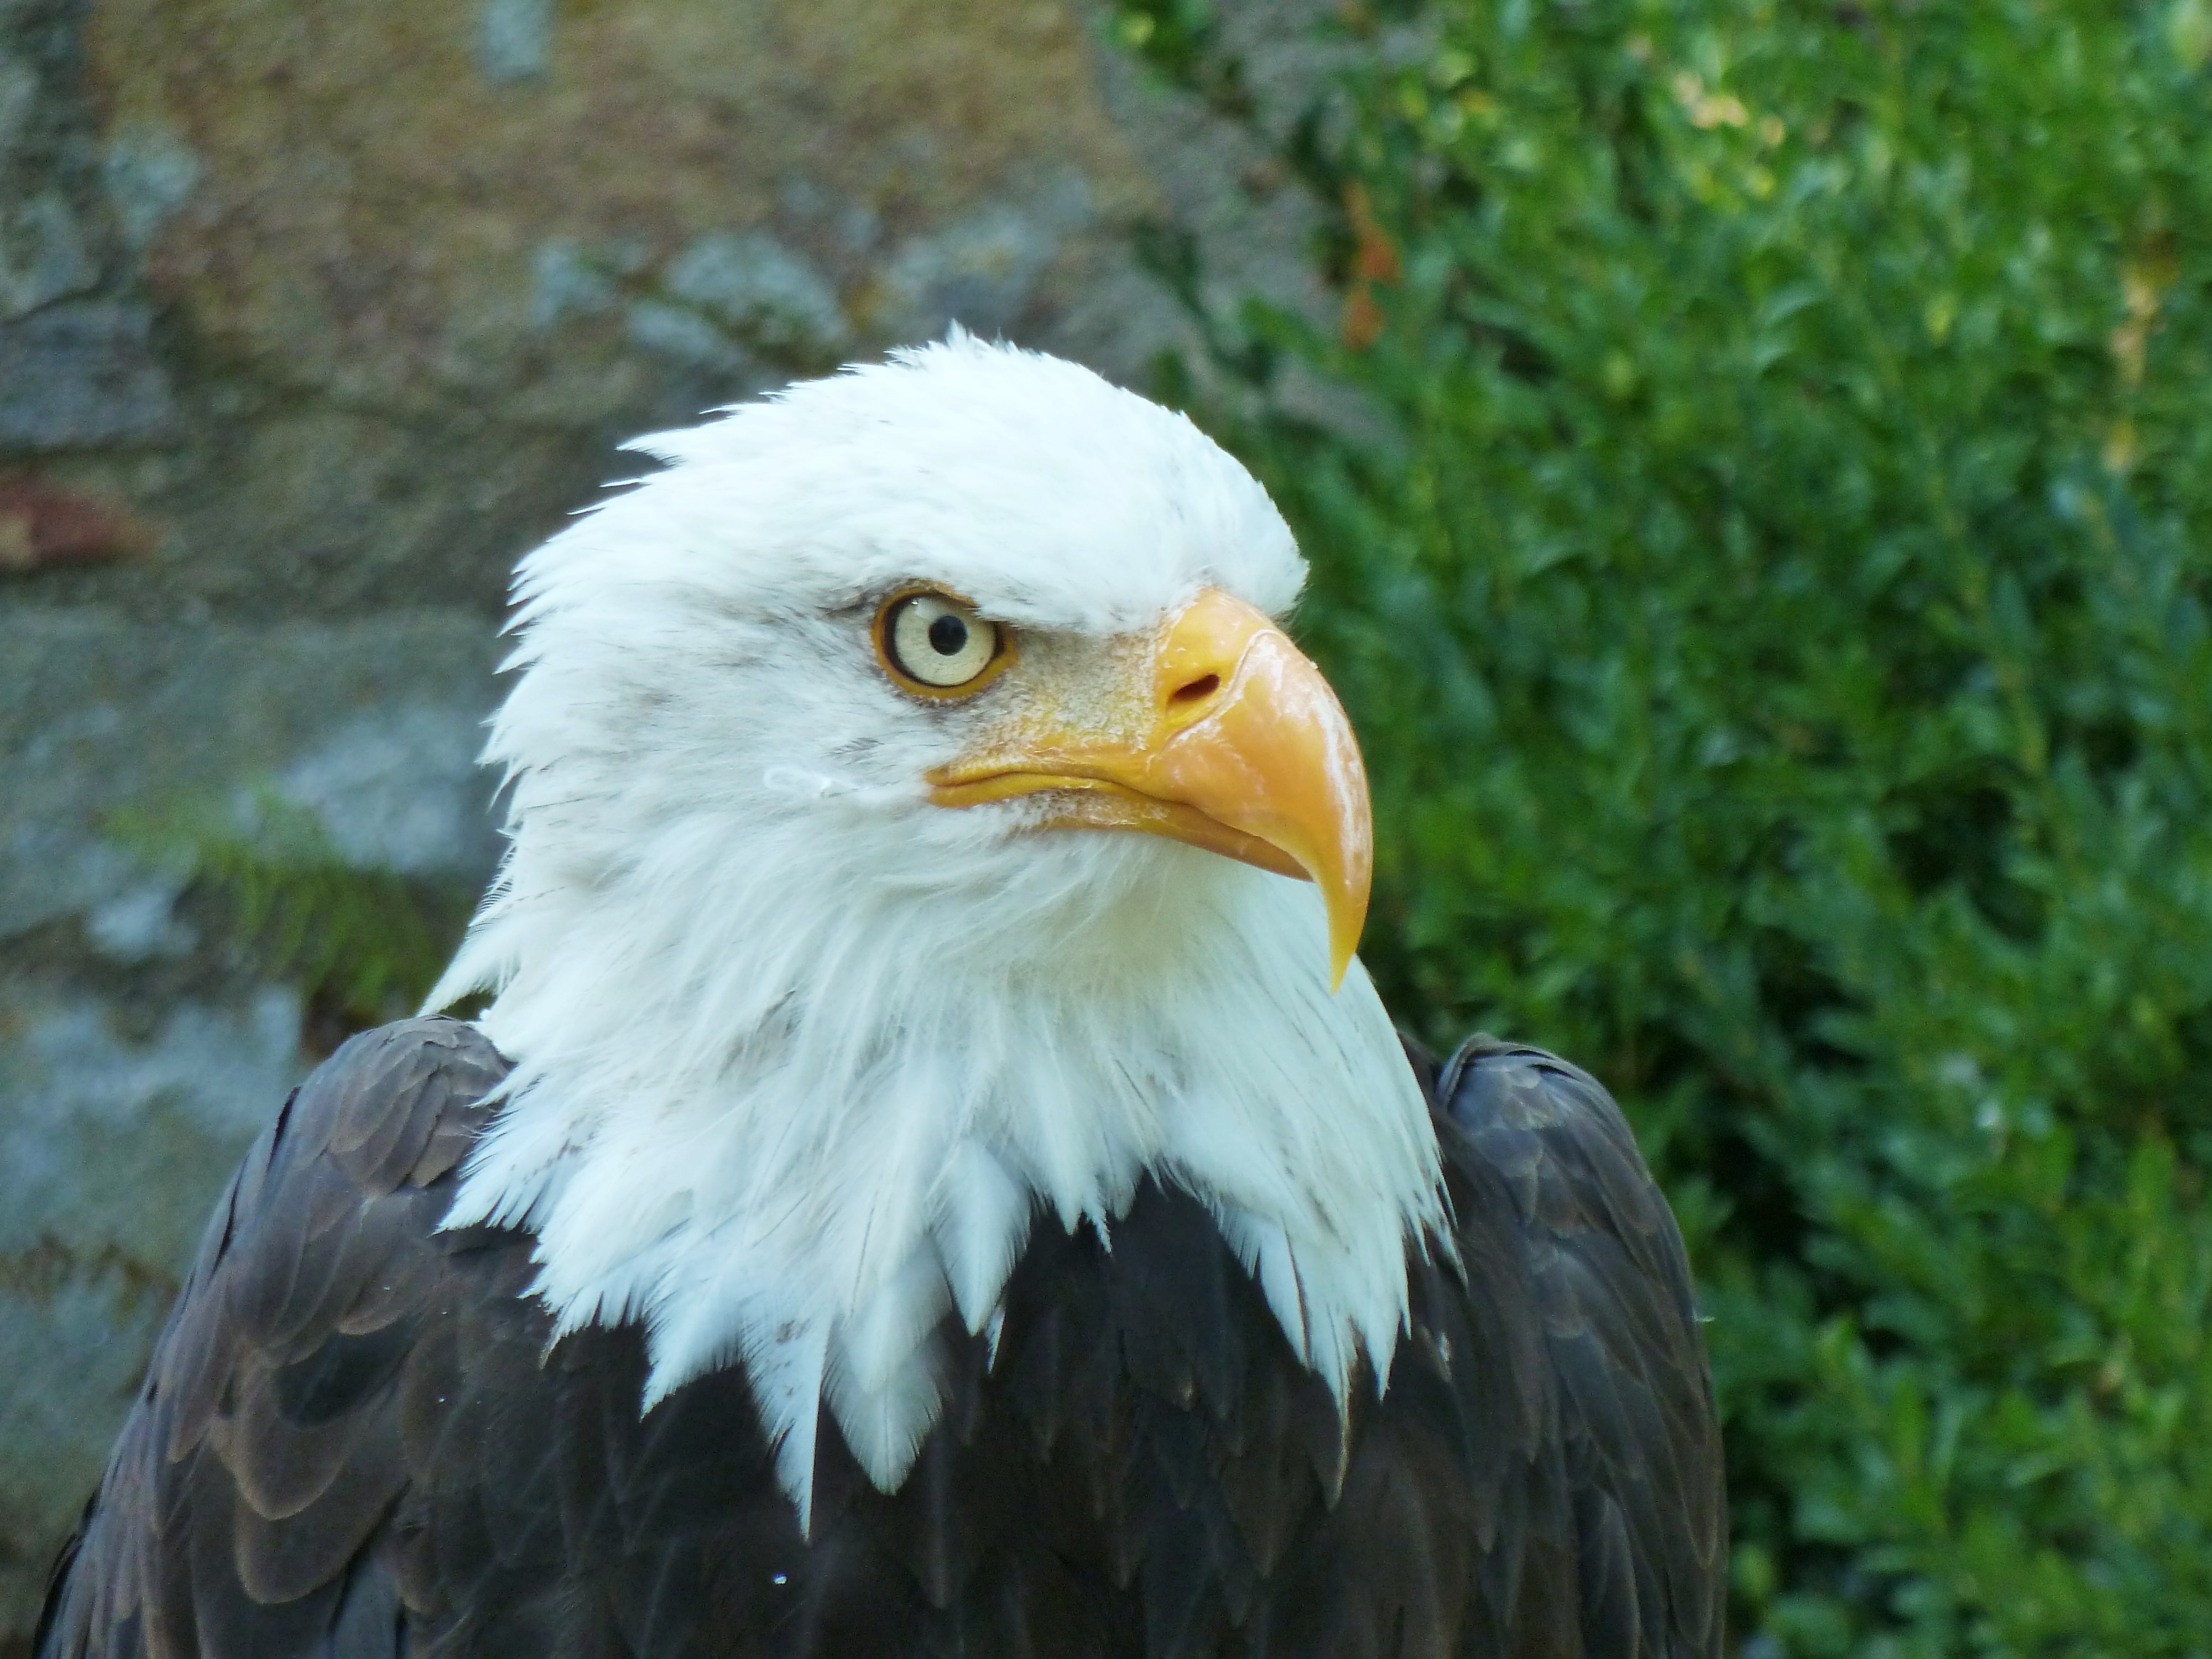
{"x": 312, "y": 317}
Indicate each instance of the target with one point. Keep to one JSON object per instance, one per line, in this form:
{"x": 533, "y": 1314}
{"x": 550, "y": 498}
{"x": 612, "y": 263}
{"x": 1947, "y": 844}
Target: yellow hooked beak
{"x": 1220, "y": 734}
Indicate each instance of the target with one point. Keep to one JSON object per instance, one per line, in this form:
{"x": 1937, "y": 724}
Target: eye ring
{"x": 934, "y": 644}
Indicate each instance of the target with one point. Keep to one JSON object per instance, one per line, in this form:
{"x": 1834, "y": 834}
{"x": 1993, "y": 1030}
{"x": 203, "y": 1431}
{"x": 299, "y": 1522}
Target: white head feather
{"x": 796, "y": 1051}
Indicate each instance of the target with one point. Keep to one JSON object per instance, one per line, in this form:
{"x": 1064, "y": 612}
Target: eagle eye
{"x": 934, "y": 644}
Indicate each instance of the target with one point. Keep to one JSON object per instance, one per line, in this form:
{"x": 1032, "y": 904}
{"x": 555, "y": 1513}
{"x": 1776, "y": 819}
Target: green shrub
{"x": 1773, "y": 600}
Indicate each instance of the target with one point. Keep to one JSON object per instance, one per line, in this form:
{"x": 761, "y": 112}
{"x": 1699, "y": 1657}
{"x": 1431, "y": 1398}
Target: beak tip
{"x": 1343, "y": 947}
{"x": 1345, "y": 889}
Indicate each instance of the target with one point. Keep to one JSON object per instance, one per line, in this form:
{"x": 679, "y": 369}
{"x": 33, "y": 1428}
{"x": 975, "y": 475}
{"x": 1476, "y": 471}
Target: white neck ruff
{"x": 789, "y": 1117}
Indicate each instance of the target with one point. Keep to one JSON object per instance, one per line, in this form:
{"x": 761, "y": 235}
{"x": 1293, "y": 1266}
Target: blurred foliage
{"x": 1772, "y": 593}
{"x": 364, "y": 945}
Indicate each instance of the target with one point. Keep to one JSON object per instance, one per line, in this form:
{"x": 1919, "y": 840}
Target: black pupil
{"x": 948, "y": 635}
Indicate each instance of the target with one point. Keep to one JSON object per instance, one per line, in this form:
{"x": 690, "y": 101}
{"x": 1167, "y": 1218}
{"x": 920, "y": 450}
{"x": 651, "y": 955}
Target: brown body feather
{"x": 354, "y": 1444}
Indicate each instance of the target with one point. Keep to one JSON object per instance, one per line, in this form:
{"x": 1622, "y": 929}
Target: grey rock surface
{"x": 50, "y": 246}
{"x": 42, "y": 254}
{"x": 81, "y": 374}
{"x": 371, "y": 726}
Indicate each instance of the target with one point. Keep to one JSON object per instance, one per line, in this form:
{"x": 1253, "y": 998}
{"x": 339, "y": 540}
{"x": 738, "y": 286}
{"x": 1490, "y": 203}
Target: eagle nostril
{"x": 1197, "y": 692}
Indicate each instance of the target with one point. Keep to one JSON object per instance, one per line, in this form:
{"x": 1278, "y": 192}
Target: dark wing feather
{"x": 1578, "y": 1297}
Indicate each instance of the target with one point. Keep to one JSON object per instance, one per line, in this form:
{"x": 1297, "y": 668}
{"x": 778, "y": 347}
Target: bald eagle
{"x": 931, "y": 1176}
